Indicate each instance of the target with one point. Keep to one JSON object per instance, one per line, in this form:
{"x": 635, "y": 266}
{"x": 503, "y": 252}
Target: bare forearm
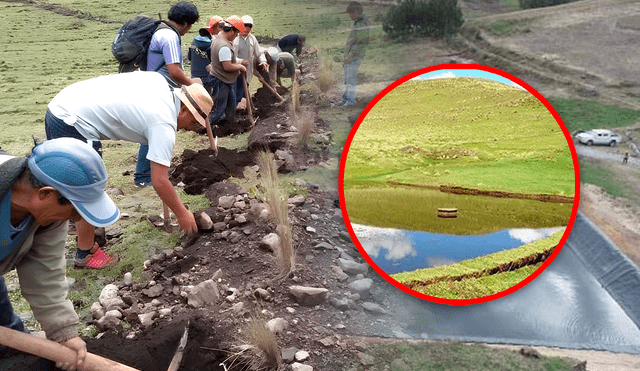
{"x": 178, "y": 74}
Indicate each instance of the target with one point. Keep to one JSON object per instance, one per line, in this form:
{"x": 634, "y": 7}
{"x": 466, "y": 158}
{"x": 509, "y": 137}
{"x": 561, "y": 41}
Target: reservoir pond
{"x": 395, "y": 250}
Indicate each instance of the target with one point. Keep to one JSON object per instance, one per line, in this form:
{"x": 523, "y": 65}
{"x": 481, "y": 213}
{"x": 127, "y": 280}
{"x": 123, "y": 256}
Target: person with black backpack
{"x": 165, "y": 56}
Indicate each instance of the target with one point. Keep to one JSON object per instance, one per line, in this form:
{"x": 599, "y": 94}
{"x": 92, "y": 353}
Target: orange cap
{"x": 236, "y": 22}
{"x": 214, "y": 20}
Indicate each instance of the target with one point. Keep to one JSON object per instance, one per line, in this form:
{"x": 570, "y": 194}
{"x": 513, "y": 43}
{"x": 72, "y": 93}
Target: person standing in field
{"x": 165, "y": 56}
{"x": 138, "y": 107}
{"x": 200, "y": 50}
{"x": 247, "y": 48}
{"x": 61, "y": 179}
{"x": 225, "y": 69}
{"x": 354, "y": 52}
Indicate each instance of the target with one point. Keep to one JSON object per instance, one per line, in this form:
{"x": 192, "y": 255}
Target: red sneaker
{"x": 97, "y": 259}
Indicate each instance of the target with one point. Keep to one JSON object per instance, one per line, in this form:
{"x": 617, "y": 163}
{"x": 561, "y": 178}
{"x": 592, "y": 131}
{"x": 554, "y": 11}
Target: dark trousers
{"x": 8, "y": 318}
{"x": 224, "y": 100}
{"x": 56, "y": 128}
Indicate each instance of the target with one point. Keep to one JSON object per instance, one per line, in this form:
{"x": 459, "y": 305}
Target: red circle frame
{"x": 383, "y": 274}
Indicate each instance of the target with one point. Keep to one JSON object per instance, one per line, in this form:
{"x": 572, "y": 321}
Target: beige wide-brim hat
{"x": 197, "y": 100}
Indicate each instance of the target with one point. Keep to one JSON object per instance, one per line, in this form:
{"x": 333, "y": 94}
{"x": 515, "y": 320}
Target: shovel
{"x": 247, "y": 96}
{"x": 56, "y": 352}
{"x": 271, "y": 89}
{"x": 177, "y": 358}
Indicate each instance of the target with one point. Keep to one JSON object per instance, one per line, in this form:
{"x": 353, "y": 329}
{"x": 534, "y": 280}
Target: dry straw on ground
{"x": 279, "y": 209}
{"x": 259, "y": 350}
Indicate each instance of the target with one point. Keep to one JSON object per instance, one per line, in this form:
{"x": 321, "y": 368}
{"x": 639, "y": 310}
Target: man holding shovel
{"x": 62, "y": 179}
{"x": 138, "y": 107}
{"x": 225, "y": 69}
{"x": 247, "y": 48}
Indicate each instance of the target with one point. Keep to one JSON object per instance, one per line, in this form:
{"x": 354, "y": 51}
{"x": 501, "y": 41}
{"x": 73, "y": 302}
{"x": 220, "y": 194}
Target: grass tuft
{"x": 279, "y": 209}
{"x": 259, "y": 350}
{"x": 326, "y": 76}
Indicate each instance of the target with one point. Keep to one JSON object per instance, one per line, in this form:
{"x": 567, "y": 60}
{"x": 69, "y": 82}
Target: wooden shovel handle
{"x": 56, "y": 352}
{"x": 247, "y": 96}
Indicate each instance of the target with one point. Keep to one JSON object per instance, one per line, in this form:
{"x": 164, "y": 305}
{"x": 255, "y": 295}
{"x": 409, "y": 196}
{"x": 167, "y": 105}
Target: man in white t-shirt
{"x": 137, "y": 107}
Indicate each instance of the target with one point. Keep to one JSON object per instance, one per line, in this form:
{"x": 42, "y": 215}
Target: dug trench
{"x": 226, "y": 276}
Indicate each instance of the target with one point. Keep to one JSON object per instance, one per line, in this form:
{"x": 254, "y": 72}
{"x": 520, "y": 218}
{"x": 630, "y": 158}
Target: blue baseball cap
{"x": 75, "y": 169}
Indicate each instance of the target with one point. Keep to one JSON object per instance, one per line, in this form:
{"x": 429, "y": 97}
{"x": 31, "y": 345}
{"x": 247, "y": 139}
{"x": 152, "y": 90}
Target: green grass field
{"x": 416, "y": 209}
{"x": 582, "y": 114}
{"x": 442, "y": 283}
{"x": 464, "y": 132}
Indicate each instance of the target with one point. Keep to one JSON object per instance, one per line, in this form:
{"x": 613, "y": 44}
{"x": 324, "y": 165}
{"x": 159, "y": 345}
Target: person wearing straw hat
{"x": 61, "y": 179}
{"x": 225, "y": 69}
{"x": 137, "y": 107}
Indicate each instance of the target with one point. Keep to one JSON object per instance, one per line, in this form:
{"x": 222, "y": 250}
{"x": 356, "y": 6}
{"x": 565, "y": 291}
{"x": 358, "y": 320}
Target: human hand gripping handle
{"x": 80, "y": 347}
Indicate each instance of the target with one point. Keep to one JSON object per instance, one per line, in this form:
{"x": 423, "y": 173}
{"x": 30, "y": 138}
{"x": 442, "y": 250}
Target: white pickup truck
{"x": 599, "y": 136}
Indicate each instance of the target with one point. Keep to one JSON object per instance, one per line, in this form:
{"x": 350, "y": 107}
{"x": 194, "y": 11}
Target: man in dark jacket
{"x": 200, "y": 50}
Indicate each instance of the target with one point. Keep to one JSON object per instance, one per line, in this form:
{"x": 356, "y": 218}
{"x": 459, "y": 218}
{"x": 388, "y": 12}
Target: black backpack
{"x": 132, "y": 42}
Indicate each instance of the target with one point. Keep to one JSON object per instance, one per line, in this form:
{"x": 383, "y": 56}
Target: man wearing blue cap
{"x": 62, "y": 179}
{"x": 138, "y": 107}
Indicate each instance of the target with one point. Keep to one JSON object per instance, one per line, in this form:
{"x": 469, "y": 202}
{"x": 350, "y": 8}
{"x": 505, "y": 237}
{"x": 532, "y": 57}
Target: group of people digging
{"x": 227, "y": 47}
{"x": 64, "y": 178}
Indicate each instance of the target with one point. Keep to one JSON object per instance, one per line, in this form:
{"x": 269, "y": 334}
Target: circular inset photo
{"x": 459, "y": 184}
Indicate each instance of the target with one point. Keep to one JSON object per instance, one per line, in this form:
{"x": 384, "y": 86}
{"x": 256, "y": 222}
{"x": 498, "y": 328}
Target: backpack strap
{"x": 164, "y": 24}
{"x": 200, "y": 52}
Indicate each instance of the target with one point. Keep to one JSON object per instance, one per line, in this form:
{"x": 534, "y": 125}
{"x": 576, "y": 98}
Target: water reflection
{"x": 395, "y": 250}
{"x": 565, "y": 306}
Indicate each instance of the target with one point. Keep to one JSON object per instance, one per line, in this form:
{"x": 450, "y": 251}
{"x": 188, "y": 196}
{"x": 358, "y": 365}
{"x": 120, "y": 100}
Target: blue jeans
{"x": 8, "y": 318}
{"x": 350, "y": 79}
{"x": 143, "y": 166}
{"x": 56, "y": 128}
{"x": 239, "y": 86}
{"x": 224, "y": 100}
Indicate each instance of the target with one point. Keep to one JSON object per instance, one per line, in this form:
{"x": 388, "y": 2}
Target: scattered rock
{"x": 226, "y": 201}
{"x": 127, "y": 279}
{"x": 361, "y": 286}
{"x": 109, "y": 297}
{"x": 300, "y": 367}
{"x": 296, "y": 200}
{"x": 278, "y": 326}
{"x": 97, "y": 310}
{"x": 270, "y": 242}
{"x": 288, "y": 354}
{"x": 153, "y": 291}
{"x": 373, "y": 308}
{"x": 146, "y": 319}
{"x": 309, "y": 296}
{"x": 203, "y": 221}
{"x": 302, "y": 355}
{"x": 202, "y": 294}
{"x": 351, "y": 267}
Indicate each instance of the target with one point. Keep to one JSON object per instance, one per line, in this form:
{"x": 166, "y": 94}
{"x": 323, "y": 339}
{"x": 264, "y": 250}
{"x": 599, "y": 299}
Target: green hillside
{"x": 467, "y": 132}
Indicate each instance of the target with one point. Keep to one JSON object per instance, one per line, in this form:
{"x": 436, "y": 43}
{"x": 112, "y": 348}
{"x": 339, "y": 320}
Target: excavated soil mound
{"x": 198, "y": 170}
